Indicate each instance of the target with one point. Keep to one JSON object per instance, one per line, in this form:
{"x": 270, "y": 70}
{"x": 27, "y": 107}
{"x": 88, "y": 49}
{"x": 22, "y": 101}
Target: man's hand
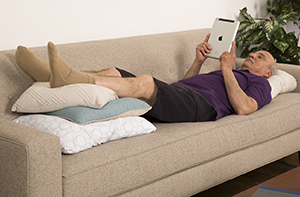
{"x": 227, "y": 58}
{"x": 201, "y": 51}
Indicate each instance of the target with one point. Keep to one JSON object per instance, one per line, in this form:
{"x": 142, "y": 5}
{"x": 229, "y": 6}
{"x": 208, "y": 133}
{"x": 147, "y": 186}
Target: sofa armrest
{"x": 31, "y": 163}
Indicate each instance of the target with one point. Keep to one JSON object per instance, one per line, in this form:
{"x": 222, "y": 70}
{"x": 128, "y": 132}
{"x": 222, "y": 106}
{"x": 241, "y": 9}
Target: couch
{"x": 178, "y": 159}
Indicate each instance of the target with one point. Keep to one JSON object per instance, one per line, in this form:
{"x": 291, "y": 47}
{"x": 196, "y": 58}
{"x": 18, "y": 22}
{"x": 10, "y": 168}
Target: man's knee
{"x": 108, "y": 72}
{"x": 113, "y": 71}
{"x": 148, "y": 88}
{"x": 146, "y": 80}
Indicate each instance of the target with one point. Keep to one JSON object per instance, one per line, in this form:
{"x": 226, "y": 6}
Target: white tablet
{"x": 222, "y": 34}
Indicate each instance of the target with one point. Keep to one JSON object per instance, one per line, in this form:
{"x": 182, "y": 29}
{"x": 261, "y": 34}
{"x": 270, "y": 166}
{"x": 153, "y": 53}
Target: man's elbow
{"x": 241, "y": 112}
{"x": 245, "y": 111}
{"x": 246, "y": 108}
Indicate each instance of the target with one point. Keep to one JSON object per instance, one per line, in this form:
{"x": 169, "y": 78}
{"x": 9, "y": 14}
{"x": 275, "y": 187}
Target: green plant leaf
{"x": 270, "y": 27}
{"x": 279, "y": 33}
{"x": 282, "y": 46}
{"x": 292, "y": 52}
{"x": 283, "y": 20}
{"x": 282, "y": 59}
{"x": 251, "y": 27}
{"x": 243, "y": 25}
{"x": 250, "y": 43}
{"x": 247, "y": 16}
{"x": 264, "y": 45}
{"x": 285, "y": 11}
{"x": 254, "y": 38}
{"x": 260, "y": 19}
{"x": 245, "y": 53}
{"x": 243, "y": 36}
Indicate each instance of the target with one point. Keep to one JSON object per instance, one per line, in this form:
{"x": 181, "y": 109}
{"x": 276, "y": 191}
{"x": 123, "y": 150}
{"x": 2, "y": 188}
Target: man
{"x": 197, "y": 97}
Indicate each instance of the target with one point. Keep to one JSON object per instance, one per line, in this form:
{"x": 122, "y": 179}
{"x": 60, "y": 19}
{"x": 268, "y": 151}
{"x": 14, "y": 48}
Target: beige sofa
{"x": 178, "y": 159}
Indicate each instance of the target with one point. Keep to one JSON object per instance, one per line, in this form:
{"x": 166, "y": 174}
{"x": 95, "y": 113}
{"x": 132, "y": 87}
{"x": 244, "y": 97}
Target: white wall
{"x": 35, "y": 22}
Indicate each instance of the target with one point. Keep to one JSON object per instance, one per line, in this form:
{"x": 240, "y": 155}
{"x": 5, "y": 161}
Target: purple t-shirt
{"x": 211, "y": 86}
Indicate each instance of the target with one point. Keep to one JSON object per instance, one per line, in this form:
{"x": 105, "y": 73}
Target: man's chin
{"x": 244, "y": 66}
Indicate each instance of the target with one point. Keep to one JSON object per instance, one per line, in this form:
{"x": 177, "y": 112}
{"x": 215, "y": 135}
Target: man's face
{"x": 258, "y": 63}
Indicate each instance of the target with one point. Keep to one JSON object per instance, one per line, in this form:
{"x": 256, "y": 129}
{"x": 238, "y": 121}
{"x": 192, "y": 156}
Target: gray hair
{"x": 273, "y": 68}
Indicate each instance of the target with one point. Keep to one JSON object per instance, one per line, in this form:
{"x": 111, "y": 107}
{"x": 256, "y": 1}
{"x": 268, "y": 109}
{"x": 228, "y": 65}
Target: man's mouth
{"x": 251, "y": 60}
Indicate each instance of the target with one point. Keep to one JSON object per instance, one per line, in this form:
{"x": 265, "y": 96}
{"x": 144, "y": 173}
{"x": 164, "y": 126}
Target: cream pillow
{"x": 41, "y": 98}
{"x": 282, "y": 82}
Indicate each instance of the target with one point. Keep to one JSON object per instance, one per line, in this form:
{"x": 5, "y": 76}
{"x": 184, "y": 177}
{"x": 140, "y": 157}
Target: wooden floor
{"x": 252, "y": 178}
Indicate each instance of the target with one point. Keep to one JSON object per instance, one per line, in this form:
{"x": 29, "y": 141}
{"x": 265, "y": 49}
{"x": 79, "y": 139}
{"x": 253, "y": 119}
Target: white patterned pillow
{"x": 41, "y": 98}
{"x": 75, "y": 138}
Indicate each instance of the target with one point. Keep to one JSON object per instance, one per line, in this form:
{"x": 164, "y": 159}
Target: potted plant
{"x": 268, "y": 34}
{"x": 282, "y": 7}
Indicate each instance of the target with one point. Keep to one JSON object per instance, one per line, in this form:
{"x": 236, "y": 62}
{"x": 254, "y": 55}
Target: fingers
{"x": 232, "y": 51}
{"x": 228, "y": 56}
{"x": 207, "y": 37}
{"x": 204, "y": 48}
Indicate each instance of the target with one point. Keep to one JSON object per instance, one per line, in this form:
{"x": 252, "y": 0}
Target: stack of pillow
{"x": 81, "y": 115}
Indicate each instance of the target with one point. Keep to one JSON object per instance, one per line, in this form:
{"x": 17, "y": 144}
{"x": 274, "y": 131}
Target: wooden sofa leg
{"x": 299, "y": 157}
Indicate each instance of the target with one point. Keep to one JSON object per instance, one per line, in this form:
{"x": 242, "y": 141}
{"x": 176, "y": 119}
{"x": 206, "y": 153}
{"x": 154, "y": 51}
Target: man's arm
{"x": 241, "y": 103}
{"x": 201, "y": 51}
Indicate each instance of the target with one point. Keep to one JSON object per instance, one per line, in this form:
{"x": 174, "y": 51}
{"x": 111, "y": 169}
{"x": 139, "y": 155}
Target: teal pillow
{"x": 122, "y": 107}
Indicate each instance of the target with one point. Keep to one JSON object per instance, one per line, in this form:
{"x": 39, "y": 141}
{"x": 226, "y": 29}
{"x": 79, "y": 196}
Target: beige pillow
{"x": 41, "y": 98}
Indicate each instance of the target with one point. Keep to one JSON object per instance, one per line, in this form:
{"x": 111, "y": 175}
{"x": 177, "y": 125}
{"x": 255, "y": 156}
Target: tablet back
{"x": 222, "y": 34}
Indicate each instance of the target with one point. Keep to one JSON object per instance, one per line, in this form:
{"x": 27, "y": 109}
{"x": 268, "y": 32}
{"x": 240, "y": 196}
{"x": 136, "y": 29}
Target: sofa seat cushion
{"x": 173, "y": 148}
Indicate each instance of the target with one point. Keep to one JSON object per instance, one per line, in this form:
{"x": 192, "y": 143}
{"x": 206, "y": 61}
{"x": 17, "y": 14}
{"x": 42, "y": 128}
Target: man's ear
{"x": 268, "y": 74}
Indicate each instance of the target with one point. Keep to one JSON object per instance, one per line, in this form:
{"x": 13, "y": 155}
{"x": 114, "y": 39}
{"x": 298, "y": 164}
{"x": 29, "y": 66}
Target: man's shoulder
{"x": 249, "y": 75}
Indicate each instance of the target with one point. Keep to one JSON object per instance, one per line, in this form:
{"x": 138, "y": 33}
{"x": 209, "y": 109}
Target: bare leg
{"x": 109, "y": 72}
{"x": 142, "y": 87}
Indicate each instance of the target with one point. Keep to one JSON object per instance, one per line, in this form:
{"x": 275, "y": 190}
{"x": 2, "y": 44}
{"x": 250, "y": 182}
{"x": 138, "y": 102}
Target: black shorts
{"x": 177, "y": 104}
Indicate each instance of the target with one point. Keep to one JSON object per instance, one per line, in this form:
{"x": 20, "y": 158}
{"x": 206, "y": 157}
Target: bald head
{"x": 260, "y": 63}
